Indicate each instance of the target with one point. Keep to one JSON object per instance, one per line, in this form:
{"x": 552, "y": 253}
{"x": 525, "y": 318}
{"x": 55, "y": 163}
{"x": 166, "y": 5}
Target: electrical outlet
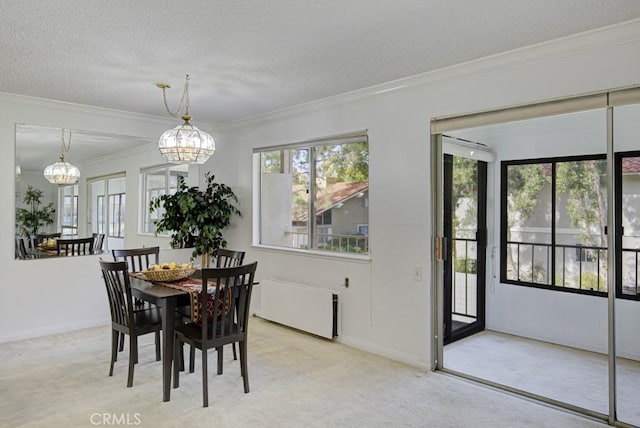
{"x": 417, "y": 273}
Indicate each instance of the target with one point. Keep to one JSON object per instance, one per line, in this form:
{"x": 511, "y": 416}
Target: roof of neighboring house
{"x": 630, "y": 165}
{"x": 337, "y": 192}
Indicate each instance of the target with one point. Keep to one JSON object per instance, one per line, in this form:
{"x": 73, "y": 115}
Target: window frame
{"x": 313, "y": 225}
{"x": 553, "y": 245}
{"x": 146, "y": 217}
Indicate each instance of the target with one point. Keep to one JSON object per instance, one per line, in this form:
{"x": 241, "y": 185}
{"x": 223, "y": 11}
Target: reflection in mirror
{"x": 94, "y": 207}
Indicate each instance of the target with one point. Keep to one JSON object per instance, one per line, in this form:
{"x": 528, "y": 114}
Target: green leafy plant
{"x": 31, "y": 219}
{"x": 196, "y": 218}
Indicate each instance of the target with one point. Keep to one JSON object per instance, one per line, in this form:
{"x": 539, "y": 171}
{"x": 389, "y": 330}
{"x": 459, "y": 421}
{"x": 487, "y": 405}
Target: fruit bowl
{"x": 168, "y": 274}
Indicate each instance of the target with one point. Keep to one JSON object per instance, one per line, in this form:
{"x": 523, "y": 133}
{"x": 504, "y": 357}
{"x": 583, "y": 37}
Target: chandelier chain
{"x": 183, "y": 99}
{"x": 65, "y": 147}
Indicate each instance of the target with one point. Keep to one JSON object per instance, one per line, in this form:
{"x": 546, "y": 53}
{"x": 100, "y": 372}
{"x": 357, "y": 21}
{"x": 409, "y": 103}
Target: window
{"x": 69, "y": 212}
{"x": 157, "y": 182}
{"x": 314, "y": 195}
{"x": 554, "y": 216}
{"x": 116, "y": 215}
{"x": 107, "y": 205}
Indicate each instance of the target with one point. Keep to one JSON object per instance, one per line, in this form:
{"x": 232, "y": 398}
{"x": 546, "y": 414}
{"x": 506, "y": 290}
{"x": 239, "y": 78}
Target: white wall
{"x": 383, "y": 310}
{"x": 60, "y": 294}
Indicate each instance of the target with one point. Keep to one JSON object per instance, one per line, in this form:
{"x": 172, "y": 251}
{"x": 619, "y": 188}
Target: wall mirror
{"x": 96, "y": 204}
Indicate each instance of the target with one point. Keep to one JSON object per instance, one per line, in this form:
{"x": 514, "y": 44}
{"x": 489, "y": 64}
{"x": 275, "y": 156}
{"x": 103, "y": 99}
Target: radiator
{"x": 299, "y": 306}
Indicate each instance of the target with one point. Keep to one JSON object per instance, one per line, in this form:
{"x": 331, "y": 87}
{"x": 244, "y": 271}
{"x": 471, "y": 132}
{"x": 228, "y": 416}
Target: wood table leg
{"x": 168, "y": 317}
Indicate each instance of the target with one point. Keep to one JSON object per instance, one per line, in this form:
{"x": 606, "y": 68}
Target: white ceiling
{"x": 248, "y": 57}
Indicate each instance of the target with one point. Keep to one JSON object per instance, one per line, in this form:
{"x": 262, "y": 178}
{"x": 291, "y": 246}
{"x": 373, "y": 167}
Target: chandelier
{"x": 185, "y": 143}
{"x": 62, "y": 172}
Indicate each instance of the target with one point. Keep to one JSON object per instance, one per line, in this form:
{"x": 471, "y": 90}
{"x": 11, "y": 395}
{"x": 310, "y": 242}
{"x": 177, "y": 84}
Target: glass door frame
{"x": 449, "y": 335}
{"x": 606, "y": 100}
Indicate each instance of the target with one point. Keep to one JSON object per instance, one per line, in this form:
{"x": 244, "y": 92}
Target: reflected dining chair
{"x": 224, "y": 258}
{"x": 98, "y": 242}
{"x": 21, "y": 249}
{"x": 74, "y": 246}
{"x": 224, "y": 321}
{"x": 39, "y": 238}
{"x": 124, "y": 319}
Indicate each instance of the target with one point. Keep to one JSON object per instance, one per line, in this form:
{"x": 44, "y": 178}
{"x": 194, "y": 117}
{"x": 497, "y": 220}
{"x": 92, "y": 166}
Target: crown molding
{"x": 605, "y": 37}
{"x": 32, "y": 101}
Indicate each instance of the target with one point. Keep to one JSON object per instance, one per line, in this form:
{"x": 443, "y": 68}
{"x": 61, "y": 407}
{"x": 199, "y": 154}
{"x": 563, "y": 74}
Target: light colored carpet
{"x": 296, "y": 380}
{"x": 562, "y": 373}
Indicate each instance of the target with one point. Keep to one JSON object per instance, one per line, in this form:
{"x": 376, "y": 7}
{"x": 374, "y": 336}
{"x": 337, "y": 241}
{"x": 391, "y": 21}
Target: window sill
{"x": 346, "y": 257}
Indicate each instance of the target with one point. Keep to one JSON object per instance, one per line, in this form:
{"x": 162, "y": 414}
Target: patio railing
{"x": 332, "y": 242}
{"x": 581, "y": 267}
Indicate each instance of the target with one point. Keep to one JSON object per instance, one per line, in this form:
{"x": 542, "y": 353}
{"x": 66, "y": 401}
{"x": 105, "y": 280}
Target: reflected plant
{"x": 31, "y": 219}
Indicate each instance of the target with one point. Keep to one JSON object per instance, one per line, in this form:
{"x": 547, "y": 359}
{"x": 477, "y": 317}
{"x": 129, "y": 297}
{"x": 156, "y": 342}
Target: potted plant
{"x": 31, "y": 219}
{"x": 196, "y": 218}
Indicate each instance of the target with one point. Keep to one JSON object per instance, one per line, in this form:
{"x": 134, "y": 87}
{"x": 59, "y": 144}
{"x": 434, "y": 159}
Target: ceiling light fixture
{"x": 185, "y": 143}
{"x": 62, "y": 172}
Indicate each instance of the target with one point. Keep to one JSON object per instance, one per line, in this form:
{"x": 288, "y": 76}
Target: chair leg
{"x": 205, "y": 385}
{"x": 192, "y": 359}
{"x": 181, "y": 357}
{"x": 177, "y": 347}
{"x": 235, "y": 356}
{"x": 114, "y": 349}
{"x": 243, "y": 365}
{"x": 133, "y": 352}
{"x": 121, "y": 342}
{"x": 219, "y": 350}
{"x": 157, "y": 346}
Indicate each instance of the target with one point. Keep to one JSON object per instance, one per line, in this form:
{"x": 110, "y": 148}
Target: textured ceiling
{"x": 248, "y": 57}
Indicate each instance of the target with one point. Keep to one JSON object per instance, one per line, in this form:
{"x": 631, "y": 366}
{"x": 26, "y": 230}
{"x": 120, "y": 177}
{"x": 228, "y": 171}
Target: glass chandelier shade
{"x": 62, "y": 172}
{"x": 186, "y": 144}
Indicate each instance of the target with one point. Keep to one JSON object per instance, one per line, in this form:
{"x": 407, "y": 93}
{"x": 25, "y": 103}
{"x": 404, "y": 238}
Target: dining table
{"x": 167, "y": 299}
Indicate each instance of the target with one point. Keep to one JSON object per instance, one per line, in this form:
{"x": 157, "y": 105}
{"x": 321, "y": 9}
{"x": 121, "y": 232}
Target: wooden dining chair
{"x": 137, "y": 259}
{"x": 228, "y": 258}
{"x": 74, "y": 246}
{"x": 39, "y": 238}
{"x": 224, "y": 321}
{"x": 124, "y": 318}
{"x": 224, "y": 258}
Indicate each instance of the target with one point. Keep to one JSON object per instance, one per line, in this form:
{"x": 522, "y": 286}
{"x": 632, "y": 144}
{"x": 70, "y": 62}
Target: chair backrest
{"x": 229, "y": 258}
{"x": 39, "y": 238}
{"x": 74, "y": 246}
{"x": 137, "y": 259}
{"x": 229, "y": 292}
{"x": 98, "y": 241}
{"x": 116, "y": 279}
{"x": 21, "y": 249}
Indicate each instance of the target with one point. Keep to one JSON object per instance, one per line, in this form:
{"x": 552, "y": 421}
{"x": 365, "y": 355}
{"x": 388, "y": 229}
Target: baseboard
{"x": 14, "y": 336}
{"x": 382, "y": 351}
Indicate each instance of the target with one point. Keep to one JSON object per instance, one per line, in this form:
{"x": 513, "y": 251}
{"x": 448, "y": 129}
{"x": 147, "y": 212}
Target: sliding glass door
{"x": 465, "y": 184}
{"x": 562, "y": 307}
